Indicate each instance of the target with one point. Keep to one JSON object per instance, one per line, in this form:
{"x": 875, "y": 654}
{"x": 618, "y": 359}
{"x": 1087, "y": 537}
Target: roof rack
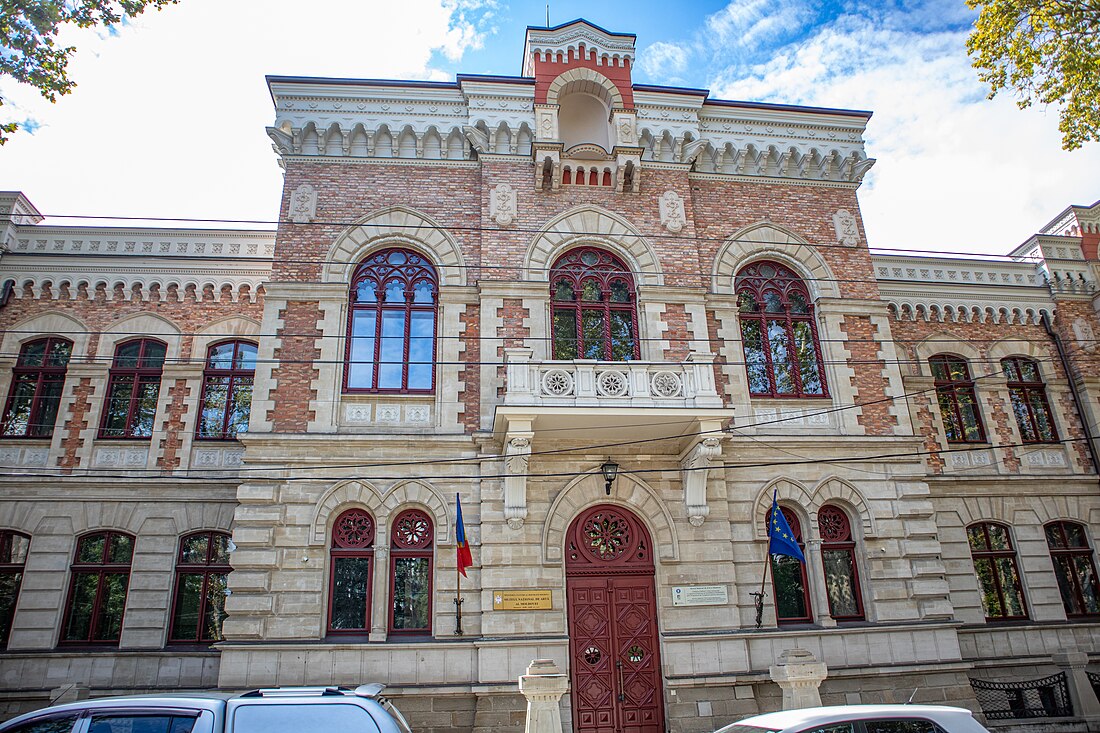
{"x": 294, "y": 692}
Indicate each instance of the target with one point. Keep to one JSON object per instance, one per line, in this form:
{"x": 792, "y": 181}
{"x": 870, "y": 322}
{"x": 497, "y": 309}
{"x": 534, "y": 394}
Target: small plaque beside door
{"x": 522, "y": 600}
{"x": 700, "y": 595}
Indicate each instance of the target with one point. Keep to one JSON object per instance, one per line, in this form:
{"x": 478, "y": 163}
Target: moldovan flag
{"x": 465, "y": 559}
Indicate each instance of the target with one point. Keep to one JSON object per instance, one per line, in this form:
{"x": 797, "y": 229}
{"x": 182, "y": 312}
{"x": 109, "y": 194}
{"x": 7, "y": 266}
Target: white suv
{"x": 861, "y": 719}
{"x": 277, "y": 710}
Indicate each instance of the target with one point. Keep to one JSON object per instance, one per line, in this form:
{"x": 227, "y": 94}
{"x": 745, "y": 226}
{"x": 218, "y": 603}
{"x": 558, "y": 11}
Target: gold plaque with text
{"x": 521, "y": 600}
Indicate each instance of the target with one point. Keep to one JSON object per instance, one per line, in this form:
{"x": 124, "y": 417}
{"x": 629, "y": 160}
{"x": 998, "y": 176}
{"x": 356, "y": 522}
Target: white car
{"x": 862, "y": 719}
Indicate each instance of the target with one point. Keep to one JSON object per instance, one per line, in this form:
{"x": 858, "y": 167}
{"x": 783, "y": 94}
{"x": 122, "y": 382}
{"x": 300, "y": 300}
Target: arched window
{"x": 411, "y": 573}
{"x": 133, "y": 389}
{"x": 13, "y": 556}
{"x": 1073, "y": 565}
{"x": 202, "y": 567}
{"x": 227, "y": 390}
{"x": 36, "y": 384}
{"x": 998, "y": 574}
{"x": 778, "y": 332}
{"x": 1029, "y": 400}
{"x": 391, "y": 325}
{"x": 594, "y": 307}
{"x": 838, "y": 559}
{"x": 789, "y": 584}
{"x": 350, "y": 573}
{"x": 962, "y": 421}
{"x": 97, "y": 591}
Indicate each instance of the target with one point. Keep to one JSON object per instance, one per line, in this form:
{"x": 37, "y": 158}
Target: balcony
{"x": 610, "y": 384}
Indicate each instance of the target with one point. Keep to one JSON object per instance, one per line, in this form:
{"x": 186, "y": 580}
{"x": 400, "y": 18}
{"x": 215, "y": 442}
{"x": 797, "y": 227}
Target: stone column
{"x": 543, "y": 686}
{"x": 1085, "y": 704}
{"x": 799, "y": 673}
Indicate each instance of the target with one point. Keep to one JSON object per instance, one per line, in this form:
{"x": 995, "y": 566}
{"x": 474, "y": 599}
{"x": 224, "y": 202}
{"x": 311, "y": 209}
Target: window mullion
{"x": 377, "y": 367}
{"x": 405, "y": 344}
{"x": 766, "y": 345}
{"x": 796, "y": 363}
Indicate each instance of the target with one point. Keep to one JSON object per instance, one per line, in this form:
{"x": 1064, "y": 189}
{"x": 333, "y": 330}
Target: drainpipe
{"x": 1090, "y": 440}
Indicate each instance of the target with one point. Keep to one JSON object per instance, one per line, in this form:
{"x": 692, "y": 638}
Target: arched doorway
{"x": 615, "y": 661}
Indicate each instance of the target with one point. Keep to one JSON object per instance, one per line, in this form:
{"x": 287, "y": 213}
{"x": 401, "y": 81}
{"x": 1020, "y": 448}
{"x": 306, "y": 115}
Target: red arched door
{"x": 615, "y": 661}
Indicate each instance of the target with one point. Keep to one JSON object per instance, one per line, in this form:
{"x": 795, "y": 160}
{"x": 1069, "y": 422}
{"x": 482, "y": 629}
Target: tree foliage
{"x": 29, "y": 52}
{"x": 1047, "y": 51}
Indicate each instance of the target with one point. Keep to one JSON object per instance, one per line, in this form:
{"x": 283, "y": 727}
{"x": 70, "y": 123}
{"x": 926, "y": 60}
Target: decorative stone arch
{"x": 585, "y": 80}
{"x": 333, "y": 502}
{"x": 591, "y": 225}
{"x": 768, "y": 241}
{"x": 628, "y": 492}
{"x": 418, "y": 493}
{"x": 142, "y": 325}
{"x": 835, "y": 490}
{"x": 942, "y": 342}
{"x": 230, "y": 327}
{"x": 48, "y": 324}
{"x": 113, "y": 516}
{"x": 1010, "y": 346}
{"x": 787, "y": 491}
{"x": 395, "y": 226}
{"x": 193, "y": 516}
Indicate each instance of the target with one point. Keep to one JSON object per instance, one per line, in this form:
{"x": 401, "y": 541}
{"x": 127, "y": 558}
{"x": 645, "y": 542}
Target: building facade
{"x": 231, "y": 458}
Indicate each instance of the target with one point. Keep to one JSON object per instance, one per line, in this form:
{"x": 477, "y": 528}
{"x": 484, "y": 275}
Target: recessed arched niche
{"x": 583, "y": 123}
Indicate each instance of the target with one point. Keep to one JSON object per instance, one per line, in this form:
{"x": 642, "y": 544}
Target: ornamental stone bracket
{"x": 696, "y": 462}
{"x": 517, "y": 455}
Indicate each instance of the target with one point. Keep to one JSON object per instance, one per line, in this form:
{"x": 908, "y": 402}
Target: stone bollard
{"x": 799, "y": 674}
{"x": 1083, "y": 699}
{"x": 543, "y": 686}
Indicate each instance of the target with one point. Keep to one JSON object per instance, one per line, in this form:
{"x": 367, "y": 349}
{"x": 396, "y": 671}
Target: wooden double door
{"x": 615, "y": 659}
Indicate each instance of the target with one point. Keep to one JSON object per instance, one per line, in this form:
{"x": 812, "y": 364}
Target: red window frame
{"x": 99, "y": 569}
{"x": 1062, "y": 547}
{"x": 1022, "y": 392}
{"x": 412, "y": 537}
{"x": 757, "y": 284}
{"x": 141, "y": 375}
{"x": 208, "y": 567}
{"x": 987, "y": 551}
{"x": 948, "y": 389}
{"x": 375, "y": 273}
{"x": 352, "y": 536}
{"x": 42, "y": 374}
{"x": 11, "y": 565}
{"x": 576, "y": 268}
{"x": 796, "y": 530}
{"x": 235, "y": 375}
{"x": 835, "y": 529}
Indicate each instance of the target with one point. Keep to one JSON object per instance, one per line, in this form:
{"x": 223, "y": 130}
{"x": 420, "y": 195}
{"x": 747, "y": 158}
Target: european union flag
{"x": 781, "y": 540}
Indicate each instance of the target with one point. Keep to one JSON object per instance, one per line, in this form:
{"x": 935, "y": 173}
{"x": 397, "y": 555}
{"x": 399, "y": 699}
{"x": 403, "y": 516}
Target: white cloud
{"x": 661, "y": 59}
{"x": 955, "y": 171}
{"x": 744, "y": 24}
{"x": 168, "y": 117}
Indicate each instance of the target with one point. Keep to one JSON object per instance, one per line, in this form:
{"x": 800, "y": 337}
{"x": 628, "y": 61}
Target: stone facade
{"x": 474, "y": 177}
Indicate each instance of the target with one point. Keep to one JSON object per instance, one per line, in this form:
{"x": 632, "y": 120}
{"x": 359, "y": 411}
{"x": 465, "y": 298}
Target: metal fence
{"x": 1094, "y": 679}
{"x": 1045, "y": 698}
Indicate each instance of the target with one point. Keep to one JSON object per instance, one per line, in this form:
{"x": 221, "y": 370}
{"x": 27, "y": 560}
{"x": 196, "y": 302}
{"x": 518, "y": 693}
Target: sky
{"x": 169, "y": 113}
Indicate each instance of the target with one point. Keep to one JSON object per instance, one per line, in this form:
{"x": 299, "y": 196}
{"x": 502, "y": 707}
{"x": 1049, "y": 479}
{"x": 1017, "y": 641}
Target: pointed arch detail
{"x": 767, "y": 240}
{"x": 381, "y": 504}
{"x": 628, "y": 492}
{"x": 597, "y": 226}
{"x": 395, "y": 226}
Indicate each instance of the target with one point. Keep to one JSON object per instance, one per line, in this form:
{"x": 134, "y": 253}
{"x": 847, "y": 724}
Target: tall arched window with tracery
{"x": 411, "y": 555}
{"x": 838, "y": 560}
{"x": 36, "y": 384}
{"x": 1029, "y": 400}
{"x": 391, "y": 324}
{"x": 998, "y": 574}
{"x": 790, "y": 586}
{"x": 351, "y": 572}
{"x": 962, "y": 419}
{"x": 594, "y": 307}
{"x": 778, "y": 332}
{"x": 1073, "y": 566}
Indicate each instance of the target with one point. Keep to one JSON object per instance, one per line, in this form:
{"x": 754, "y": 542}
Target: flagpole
{"x": 460, "y": 538}
{"x": 759, "y": 597}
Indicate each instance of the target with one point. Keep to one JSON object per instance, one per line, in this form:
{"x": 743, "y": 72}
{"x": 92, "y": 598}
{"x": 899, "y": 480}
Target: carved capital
{"x": 517, "y": 455}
